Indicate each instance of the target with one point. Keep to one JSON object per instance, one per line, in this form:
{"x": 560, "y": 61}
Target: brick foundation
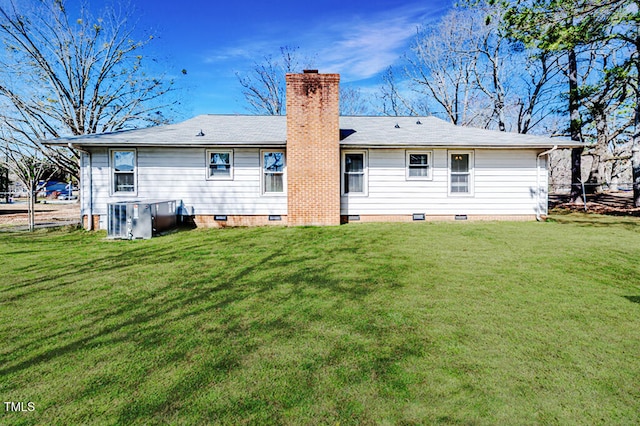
{"x": 435, "y": 218}
{"x": 209, "y": 221}
{"x": 96, "y": 222}
{"x": 313, "y": 149}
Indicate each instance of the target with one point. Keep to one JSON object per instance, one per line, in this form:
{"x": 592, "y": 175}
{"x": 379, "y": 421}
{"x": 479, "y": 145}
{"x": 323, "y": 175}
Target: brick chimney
{"x": 313, "y": 149}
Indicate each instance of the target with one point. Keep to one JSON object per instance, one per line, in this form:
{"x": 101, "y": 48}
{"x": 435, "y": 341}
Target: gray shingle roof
{"x": 217, "y": 130}
{"x": 251, "y": 130}
{"x": 431, "y": 131}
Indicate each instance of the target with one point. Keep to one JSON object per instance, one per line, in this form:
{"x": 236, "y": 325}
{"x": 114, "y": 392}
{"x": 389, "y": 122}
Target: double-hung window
{"x": 220, "y": 164}
{"x": 419, "y": 165}
{"x": 123, "y": 167}
{"x": 273, "y": 167}
{"x": 460, "y": 173}
{"x": 354, "y": 171}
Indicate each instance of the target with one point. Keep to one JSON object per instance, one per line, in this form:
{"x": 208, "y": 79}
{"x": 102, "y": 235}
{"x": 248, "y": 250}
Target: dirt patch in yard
{"x": 610, "y": 203}
{"x": 51, "y": 212}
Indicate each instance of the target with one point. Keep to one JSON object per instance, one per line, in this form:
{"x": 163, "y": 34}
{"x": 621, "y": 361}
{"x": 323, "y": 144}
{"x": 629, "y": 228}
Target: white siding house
{"x": 500, "y": 182}
{"x": 157, "y": 176}
{"x": 389, "y": 168}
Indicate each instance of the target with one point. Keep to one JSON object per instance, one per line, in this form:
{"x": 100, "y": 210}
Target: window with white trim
{"x": 354, "y": 172}
{"x": 273, "y": 169}
{"x": 419, "y": 165}
{"x": 123, "y": 169}
{"x": 460, "y": 172}
{"x": 219, "y": 164}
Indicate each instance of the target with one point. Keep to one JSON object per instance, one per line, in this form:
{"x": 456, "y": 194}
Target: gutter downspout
{"x": 90, "y": 212}
{"x": 538, "y": 214}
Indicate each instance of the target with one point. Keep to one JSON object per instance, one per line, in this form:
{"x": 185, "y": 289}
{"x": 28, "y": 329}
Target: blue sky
{"x": 214, "y": 39}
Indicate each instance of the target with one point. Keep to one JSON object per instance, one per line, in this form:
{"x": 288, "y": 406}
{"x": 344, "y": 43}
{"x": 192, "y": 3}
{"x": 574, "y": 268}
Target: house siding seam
{"x": 313, "y": 149}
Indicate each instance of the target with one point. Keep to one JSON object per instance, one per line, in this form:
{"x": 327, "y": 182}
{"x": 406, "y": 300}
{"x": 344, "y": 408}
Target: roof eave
{"x": 167, "y": 145}
{"x": 281, "y": 144}
{"x": 460, "y": 146}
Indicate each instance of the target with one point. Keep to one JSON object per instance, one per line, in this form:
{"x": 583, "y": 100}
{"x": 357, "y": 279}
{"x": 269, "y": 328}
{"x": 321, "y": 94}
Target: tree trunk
{"x": 599, "y": 152}
{"x": 574, "y": 127}
{"x": 635, "y": 145}
{"x": 4, "y": 180}
{"x": 635, "y": 170}
{"x": 576, "y": 176}
{"x": 32, "y": 208}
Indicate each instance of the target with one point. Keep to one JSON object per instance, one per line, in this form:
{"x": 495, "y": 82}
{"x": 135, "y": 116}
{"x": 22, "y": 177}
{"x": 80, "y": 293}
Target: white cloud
{"x": 367, "y": 50}
{"x": 363, "y": 48}
{"x": 231, "y": 54}
{"x": 357, "y": 47}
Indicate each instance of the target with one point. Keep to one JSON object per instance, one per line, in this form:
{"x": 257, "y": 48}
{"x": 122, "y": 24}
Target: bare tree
{"x": 264, "y": 86}
{"x": 465, "y": 69}
{"x": 622, "y": 19}
{"x": 520, "y": 84}
{"x": 608, "y": 120}
{"x": 353, "y": 102}
{"x": 491, "y": 68}
{"x": 390, "y": 97}
{"x": 29, "y": 167}
{"x": 538, "y": 80}
{"x": 441, "y": 65}
{"x": 394, "y": 101}
{"x": 61, "y": 75}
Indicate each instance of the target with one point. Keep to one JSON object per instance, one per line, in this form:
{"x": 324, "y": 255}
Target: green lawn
{"x": 419, "y": 323}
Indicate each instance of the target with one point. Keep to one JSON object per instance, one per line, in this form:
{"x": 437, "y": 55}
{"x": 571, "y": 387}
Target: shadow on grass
{"x": 58, "y": 273}
{"x": 215, "y": 276}
{"x": 152, "y": 310}
{"x": 596, "y": 220}
{"x": 633, "y": 299}
{"x": 205, "y": 294}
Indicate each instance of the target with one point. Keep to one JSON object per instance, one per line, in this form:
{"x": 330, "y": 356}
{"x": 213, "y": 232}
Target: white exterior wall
{"x": 504, "y": 183}
{"x": 543, "y": 190}
{"x": 181, "y": 174}
{"x": 85, "y": 200}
